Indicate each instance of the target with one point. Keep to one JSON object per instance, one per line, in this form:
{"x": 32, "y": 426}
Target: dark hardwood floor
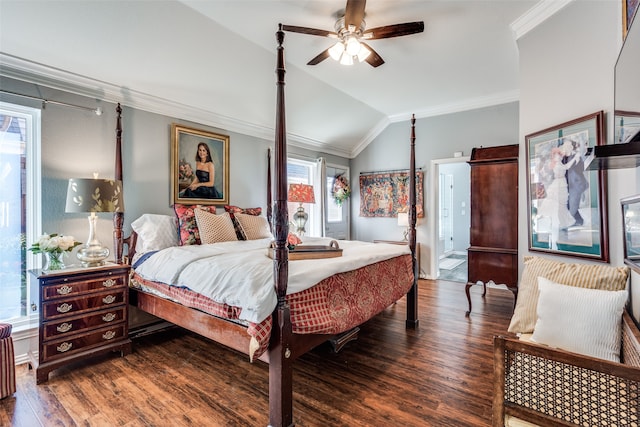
{"x": 438, "y": 375}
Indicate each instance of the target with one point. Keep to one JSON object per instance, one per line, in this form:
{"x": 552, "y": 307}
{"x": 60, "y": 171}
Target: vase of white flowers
{"x": 54, "y": 247}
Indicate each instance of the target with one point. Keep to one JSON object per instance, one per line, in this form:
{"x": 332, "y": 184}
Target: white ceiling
{"x": 213, "y": 62}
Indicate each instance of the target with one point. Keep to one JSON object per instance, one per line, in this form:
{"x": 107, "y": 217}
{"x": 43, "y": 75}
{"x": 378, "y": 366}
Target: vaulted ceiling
{"x": 213, "y": 62}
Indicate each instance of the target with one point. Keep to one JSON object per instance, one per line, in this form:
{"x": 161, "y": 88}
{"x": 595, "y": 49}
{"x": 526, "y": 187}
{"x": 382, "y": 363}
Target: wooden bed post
{"x": 269, "y": 195}
{"x": 118, "y": 217}
{"x": 412, "y": 295}
{"x": 280, "y": 360}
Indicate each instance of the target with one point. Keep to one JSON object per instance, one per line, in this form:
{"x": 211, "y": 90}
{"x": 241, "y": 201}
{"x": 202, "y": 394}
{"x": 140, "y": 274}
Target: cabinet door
{"x": 493, "y": 251}
{"x": 494, "y": 205}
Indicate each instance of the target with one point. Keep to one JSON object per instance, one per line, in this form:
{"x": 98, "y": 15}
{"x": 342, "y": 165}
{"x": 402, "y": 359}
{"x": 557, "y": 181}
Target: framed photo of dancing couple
{"x": 567, "y": 203}
{"x": 199, "y": 167}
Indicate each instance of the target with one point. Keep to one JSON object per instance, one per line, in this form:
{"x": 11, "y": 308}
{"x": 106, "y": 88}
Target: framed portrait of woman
{"x": 567, "y": 201}
{"x": 199, "y": 166}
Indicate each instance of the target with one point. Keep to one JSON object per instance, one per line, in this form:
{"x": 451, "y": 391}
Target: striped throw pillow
{"x": 589, "y": 276}
{"x": 584, "y": 321}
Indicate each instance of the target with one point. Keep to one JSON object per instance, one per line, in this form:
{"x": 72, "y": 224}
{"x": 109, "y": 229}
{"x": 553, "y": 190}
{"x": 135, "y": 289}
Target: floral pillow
{"x": 187, "y": 224}
{"x": 236, "y": 210}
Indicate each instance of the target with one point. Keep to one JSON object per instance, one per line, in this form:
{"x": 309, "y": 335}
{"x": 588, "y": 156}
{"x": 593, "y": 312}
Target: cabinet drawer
{"x": 66, "y": 347}
{"x": 71, "y": 306}
{"x": 64, "y": 288}
{"x": 70, "y": 326}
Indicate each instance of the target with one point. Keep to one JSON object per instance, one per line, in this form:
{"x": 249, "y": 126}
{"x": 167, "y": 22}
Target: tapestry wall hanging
{"x": 383, "y": 194}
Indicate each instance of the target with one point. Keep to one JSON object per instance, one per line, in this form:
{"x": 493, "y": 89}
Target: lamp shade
{"x": 403, "y": 219}
{"x": 94, "y": 195}
{"x": 301, "y": 193}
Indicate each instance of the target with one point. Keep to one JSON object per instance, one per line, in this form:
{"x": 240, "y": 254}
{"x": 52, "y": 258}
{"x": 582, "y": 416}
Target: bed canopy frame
{"x": 285, "y": 347}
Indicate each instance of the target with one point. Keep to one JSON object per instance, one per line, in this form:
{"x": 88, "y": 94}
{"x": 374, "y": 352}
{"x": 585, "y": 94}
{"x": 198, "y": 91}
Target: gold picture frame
{"x": 188, "y": 172}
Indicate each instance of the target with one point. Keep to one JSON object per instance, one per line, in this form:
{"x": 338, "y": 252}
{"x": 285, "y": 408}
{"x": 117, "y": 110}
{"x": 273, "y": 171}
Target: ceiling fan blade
{"x": 318, "y": 59}
{"x": 395, "y": 30}
{"x": 373, "y": 59}
{"x": 311, "y": 31}
{"x": 354, "y": 13}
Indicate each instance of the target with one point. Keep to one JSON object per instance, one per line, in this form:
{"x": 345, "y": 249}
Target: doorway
{"x": 449, "y": 230}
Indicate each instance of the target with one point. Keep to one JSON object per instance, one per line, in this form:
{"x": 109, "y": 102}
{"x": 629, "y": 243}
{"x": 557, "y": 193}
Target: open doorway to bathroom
{"x": 452, "y": 222}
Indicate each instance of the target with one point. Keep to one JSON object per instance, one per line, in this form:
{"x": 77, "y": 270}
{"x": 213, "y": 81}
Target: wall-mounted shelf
{"x": 616, "y": 156}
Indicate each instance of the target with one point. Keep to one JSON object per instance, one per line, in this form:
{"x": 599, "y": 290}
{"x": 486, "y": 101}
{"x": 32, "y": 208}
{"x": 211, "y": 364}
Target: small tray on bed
{"x": 312, "y": 251}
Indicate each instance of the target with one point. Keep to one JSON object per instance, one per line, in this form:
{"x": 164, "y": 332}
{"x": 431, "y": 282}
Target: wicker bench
{"x": 546, "y": 386}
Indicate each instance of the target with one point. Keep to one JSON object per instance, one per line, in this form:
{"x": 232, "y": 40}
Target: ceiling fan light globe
{"x": 336, "y": 51}
{"x": 346, "y": 59}
{"x": 353, "y": 46}
{"x": 363, "y": 54}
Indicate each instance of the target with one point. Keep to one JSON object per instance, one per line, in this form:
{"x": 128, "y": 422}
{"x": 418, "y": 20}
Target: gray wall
{"x": 566, "y": 72}
{"x": 76, "y": 143}
{"x": 437, "y": 137}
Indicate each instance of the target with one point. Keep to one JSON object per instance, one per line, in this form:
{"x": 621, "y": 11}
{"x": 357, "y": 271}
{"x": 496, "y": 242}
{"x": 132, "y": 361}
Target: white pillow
{"x": 585, "y": 321}
{"x": 155, "y": 232}
{"x": 254, "y": 227}
{"x": 214, "y": 228}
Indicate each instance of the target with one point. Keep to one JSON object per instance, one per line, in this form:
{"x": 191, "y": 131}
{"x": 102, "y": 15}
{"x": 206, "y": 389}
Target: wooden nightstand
{"x": 83, "y": 313}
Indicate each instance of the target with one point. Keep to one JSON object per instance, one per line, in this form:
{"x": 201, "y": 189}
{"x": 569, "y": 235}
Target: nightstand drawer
{"x": 65, "y": 347}
{"x": 71, "y": 306}
{"x": 63, "y": 287}
{"x": 70, "y": 326}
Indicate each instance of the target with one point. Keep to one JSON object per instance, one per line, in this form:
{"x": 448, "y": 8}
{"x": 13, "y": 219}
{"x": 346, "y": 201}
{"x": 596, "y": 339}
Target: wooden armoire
{"x": 493, "y": 250}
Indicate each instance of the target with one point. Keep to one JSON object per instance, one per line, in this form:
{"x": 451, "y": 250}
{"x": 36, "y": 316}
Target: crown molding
{"x": 54, "y": 78}
{"x": 536, "y": 16}
{"x": 466, "y": 105}
{"x": 368, "y": 139}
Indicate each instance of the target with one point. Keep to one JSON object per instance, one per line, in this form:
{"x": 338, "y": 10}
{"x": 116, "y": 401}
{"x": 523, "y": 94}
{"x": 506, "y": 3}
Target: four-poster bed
{"x": 284, "y": 343}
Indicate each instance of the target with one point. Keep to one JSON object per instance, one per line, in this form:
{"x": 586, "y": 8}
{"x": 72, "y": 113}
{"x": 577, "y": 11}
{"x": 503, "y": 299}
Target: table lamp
{"x": 94, "y": 196}
{"x": 301, "y": 193}
{"x": 403, "y": 221}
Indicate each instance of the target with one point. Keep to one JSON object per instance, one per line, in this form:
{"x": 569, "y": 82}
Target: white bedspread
{"x": 241, "y": 273}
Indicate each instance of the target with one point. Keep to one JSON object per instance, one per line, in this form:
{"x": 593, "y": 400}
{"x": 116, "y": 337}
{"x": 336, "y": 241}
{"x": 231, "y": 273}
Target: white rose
{"x": 66, "y": 242}
{"x": 43, "y": 240}
{"x": 54, "y": 243}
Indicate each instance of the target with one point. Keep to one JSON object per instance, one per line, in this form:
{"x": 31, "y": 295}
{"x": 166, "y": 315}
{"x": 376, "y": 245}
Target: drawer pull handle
{"x": 65, "y": 327}
{"x": 64, "y": 290}
{"x": 63, "y": 308}
{"x": 65, "y": 346}
{"x": 109, "y": 283}
{"x": 108, "y": 317}
{"x": 108, "y": 299}
{"x": 108, "y": 335}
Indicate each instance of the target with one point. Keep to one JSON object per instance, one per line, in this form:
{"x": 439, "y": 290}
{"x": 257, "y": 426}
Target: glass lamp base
{"x": 300, "y": 219}
{"x": 92, "y": 255}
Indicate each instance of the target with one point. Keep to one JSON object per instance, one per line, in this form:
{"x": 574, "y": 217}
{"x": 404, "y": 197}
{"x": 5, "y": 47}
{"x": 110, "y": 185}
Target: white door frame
{"x": 433, "y": 219}
{"x": 346, "y": 207}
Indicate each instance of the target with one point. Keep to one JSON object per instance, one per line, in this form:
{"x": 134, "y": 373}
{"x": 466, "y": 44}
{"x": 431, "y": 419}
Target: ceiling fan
{"x": 350, "y": 30}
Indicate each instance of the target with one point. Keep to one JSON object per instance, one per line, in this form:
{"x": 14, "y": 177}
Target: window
{"x": 304, "y": 172}
{"x": 19, "y": 207}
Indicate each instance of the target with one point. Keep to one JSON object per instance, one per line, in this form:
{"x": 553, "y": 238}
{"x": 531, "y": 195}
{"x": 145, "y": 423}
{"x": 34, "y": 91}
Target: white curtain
{"x": 320, "y": 193}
